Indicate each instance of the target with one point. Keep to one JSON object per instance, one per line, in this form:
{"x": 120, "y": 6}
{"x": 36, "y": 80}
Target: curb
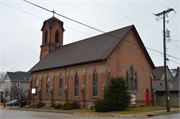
{"x": 5, "y": 108}
{"x": 92, "y": 114}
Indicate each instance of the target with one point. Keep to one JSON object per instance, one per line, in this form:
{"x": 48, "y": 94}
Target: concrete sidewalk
{"x": 99, "y": 114}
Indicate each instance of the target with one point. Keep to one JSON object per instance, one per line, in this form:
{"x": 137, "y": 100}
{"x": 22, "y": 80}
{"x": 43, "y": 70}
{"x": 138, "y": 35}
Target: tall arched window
{"x": 126, "y": 78}
{"x": 131, "y": 78}
{"x": 135, "y": 82}
{"x": 61, "y": 85}
{"x": 47, "y": 87}
{"x": 36, "y": 86}
{"x": 95, "y": 83}
{"x": 56, "y": 36}
{"x": 76, "y": 85}
{"x": 46, "y": 36}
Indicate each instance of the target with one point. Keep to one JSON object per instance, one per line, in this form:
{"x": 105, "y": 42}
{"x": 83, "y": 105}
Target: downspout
{"x": 65, "y": 81}
{"x": 105, "y": 71}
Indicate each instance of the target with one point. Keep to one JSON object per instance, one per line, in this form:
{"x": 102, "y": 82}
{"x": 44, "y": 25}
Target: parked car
{"x": 13, "y": 103}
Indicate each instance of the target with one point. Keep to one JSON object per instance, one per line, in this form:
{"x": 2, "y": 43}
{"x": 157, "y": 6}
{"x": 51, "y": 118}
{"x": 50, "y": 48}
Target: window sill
{"x": 94, "y": 97}
{"x": 46, "y": 96}
{"x": 60, "y": 97}
{"x": 76, "y": 97}
{"x": 132, "y": 91}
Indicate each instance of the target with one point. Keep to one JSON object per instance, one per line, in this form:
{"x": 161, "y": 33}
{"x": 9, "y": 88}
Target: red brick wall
{"x": 128, "y": 55}
{"x": 85, "y": 98}
{"x": 50, "y": 39}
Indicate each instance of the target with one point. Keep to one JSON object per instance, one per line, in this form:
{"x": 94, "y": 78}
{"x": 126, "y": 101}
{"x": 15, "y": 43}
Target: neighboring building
{"x": 80, "y": 71}
{"x": 20, "y": 79}
{"x": 159, "y": 86}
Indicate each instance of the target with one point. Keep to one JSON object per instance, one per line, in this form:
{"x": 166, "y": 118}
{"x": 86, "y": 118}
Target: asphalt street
{"x": 19, "y": 114}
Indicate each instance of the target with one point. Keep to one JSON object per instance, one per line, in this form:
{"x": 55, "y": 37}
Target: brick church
{"x": 80, "y": 71}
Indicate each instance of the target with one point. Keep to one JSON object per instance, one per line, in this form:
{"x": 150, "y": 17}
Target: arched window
{"x": 46, "y": 36}
{"x": 135, "y": 82}
{"x": 36, "y": 86}
{"x": 47, "y": 87}
{"x": 61, "y": 85}
{"x": 131, "y": 78}
{"x": 126, "y": 78}
{"x": 56, "y": 37}
{"x": 95, "y": 83}
{"x": 76, "y": 85}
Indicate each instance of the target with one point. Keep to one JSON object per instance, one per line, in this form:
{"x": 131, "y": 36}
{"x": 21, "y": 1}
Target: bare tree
{"x": 2, "y": 75}
{"x": 17, "y": 93}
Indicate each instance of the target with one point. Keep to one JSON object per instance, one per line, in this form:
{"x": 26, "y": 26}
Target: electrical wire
{"x": 41, "y": 18}
{"x": 175, "y": 45}
{"x": 164, "y": 6}
{"x": 126, "y": 16}
{"x": 95, "y": 28}
{"x": 135, "y": 7}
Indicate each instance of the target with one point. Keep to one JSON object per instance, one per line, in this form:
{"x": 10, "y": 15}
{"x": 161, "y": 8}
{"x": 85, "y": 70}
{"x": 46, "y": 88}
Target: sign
{"x": 133, "y": 97}
{"x": 33, "y": 90}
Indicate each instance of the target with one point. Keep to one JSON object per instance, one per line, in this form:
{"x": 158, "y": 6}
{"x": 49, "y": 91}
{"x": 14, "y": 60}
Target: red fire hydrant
{"x": 4, "y": 104}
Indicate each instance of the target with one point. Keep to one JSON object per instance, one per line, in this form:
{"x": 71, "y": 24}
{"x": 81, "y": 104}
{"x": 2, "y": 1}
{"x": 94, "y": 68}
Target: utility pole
{"x": 164, "y": 13}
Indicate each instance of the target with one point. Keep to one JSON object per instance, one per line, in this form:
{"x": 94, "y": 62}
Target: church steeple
{"x": 52, "y": 35}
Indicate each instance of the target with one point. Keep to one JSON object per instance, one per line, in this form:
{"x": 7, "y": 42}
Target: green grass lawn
{"x": 139, "y": 109}
{"x": 130, "y": 109}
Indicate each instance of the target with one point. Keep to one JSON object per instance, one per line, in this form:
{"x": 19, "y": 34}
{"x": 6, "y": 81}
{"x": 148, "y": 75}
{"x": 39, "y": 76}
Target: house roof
{"x": 158, "y": 72}
{"x": 97, "y": 48}
{"x": 159, "y": 85}
{"x": 175, "y": 73}
{"x": 19, "y": 76}
{"x": 51, "y": 22}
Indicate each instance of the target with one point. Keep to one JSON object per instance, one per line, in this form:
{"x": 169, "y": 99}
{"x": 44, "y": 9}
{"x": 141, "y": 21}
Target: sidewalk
{"x": 99, "y": 114}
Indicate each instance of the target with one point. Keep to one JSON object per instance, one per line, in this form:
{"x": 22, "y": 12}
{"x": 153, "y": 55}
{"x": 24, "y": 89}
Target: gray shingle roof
{"x": 159, "y": 85}
{"x": 19, "y": 76}
{"x": 92, "y": 49}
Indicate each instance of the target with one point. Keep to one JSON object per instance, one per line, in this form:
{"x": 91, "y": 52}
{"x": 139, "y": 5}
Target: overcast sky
{"x": 21, "y": 23}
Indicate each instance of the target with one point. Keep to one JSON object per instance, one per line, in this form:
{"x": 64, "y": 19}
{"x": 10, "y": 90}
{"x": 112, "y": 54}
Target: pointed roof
{"x": 51, "y": 22}
{"x": 97, "y": 48}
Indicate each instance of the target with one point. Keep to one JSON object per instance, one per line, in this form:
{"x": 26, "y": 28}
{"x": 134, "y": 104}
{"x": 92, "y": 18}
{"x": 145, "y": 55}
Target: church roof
{"x": 51, "y": 22}
{"x": 93, "y": 49}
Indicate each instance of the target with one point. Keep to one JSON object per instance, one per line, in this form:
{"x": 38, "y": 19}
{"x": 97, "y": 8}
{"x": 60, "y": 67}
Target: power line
{"x": 164, "y": 6}
{"x": 126, "y": 16}
{"x": 94, "y": 28}
{"x": 175, "y": 45}
{"x": 175, "y": 40}
{"x": 41, "y": 18}
{"x": 135, "y": 7}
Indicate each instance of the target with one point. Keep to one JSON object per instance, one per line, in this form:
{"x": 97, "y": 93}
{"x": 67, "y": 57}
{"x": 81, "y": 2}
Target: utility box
{"x": 167, "y": 33}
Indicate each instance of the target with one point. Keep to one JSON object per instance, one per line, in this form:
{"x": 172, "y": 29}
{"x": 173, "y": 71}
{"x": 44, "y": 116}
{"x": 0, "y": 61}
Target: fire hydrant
{"x": 4, "y": 104}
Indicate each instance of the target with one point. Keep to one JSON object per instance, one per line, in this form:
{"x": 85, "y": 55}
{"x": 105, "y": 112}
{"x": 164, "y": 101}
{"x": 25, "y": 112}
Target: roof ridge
{"x": 106, "y": 33}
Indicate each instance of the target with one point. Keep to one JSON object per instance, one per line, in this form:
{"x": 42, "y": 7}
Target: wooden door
{"x": 147, "y": 97}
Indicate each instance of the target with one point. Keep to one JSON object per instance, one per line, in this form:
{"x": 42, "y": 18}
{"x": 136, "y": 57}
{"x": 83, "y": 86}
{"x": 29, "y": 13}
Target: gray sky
{"x": 21, "y": 23}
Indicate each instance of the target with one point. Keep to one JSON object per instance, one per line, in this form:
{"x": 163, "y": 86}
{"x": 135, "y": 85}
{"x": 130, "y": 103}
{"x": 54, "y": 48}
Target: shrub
{"x": 75, "y": 105}
{"x": 52, "y": 105}
{"x": 116, "y": 98}
{"x": 40, "y": 104}
{"x": 58, "y": 106}
{"x": 67, "y": 106}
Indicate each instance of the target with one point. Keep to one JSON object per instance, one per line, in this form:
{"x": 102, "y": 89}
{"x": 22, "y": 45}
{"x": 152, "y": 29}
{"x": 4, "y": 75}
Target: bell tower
{"x": 52, "y": 35}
